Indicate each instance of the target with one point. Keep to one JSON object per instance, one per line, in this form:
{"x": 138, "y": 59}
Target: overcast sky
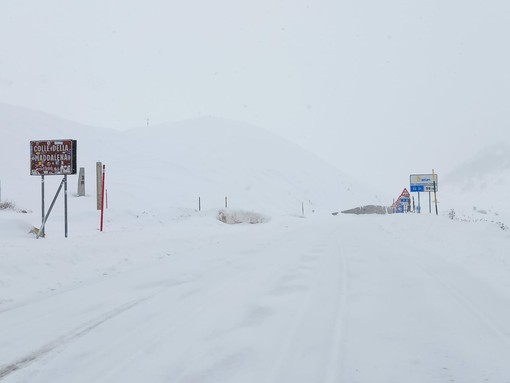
{"x": 381, "y": 89}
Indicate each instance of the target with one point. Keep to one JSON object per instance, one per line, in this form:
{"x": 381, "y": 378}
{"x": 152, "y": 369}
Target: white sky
{"x": 381, "y": 89}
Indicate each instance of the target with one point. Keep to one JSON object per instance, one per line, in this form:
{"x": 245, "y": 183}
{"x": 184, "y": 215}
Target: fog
{"x": 379, "y": 89}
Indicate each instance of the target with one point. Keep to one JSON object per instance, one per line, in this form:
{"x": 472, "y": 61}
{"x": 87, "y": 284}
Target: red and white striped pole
{"x": 102, "y": 200}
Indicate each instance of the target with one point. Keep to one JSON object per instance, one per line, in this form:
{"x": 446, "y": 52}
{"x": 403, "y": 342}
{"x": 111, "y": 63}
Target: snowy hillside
{"x": 168, "y": 293}
{"x": 213, "y": 158}
{"x": 480, "y": 186}
{"x": 173, "y": 165}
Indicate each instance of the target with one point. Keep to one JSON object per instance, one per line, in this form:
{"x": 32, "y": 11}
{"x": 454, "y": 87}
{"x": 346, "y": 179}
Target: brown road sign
{"x": 52, "y": 157}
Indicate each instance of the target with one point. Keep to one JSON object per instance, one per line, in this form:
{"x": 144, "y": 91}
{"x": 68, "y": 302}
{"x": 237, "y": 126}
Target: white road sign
{"x": 423, "y": 182}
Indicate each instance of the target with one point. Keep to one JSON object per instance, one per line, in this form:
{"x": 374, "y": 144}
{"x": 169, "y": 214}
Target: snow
{"x": 478, "y": 189}
{"x": 168, "y": 293}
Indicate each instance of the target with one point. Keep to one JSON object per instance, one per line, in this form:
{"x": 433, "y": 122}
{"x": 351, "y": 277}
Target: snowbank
{"x": 240, "y": 216}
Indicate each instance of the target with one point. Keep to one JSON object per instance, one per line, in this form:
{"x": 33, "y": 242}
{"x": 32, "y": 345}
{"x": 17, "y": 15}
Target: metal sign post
{"x": 41, "y": 232}
{"x": 65, "y": 205}
{"x": 424, "y": 183}
{"x": 45, "y": 218}
{"x": 53, "y": 157}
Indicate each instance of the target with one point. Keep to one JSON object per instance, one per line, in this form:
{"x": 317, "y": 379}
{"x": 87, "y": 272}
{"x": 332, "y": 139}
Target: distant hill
{"x": 175, "y": 164}
{"x": 490, "y": 161}
{"x": 482, "y": 182}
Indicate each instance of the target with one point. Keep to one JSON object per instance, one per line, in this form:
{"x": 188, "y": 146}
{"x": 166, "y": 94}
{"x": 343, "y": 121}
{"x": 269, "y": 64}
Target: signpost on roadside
{"x": 53, "y": 157}
{"x": 424, "y": 183}
{"x": 402, "y": 204}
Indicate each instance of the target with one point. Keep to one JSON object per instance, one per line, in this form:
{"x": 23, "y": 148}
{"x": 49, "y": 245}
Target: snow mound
{"x": 369, "y": 209}
{"x": 240, "y": 216}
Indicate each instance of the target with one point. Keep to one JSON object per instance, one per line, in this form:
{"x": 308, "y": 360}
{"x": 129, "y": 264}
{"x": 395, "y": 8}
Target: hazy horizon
{"x": 378, "y": 90}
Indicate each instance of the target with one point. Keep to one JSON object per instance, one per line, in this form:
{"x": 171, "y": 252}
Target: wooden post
{"x": 226, "y": 204}
{"x": 99, "y": 184}
{"x": 199, "y": 204}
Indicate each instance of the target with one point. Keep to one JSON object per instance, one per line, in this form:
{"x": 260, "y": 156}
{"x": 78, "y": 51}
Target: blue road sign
{"x": 417, "y": 188}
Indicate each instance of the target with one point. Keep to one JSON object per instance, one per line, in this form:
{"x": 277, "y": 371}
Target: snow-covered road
{"x": 332, "y": 299}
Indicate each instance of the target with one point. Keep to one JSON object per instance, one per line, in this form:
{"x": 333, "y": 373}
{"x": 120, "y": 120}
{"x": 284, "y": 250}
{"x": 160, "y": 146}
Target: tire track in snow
{"x": 336, "y": 364}
{"x": 197, "y": 306}
{"x": 23, "y": 362}
{"x": 253, "y": 286}
{"x": 255, "y": 290}
{"x": 234, "y": 277}
{"x": 325, "y": 366}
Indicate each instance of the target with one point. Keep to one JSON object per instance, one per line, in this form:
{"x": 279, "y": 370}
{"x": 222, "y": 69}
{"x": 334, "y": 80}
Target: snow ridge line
{"x": 62, "y": 341}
